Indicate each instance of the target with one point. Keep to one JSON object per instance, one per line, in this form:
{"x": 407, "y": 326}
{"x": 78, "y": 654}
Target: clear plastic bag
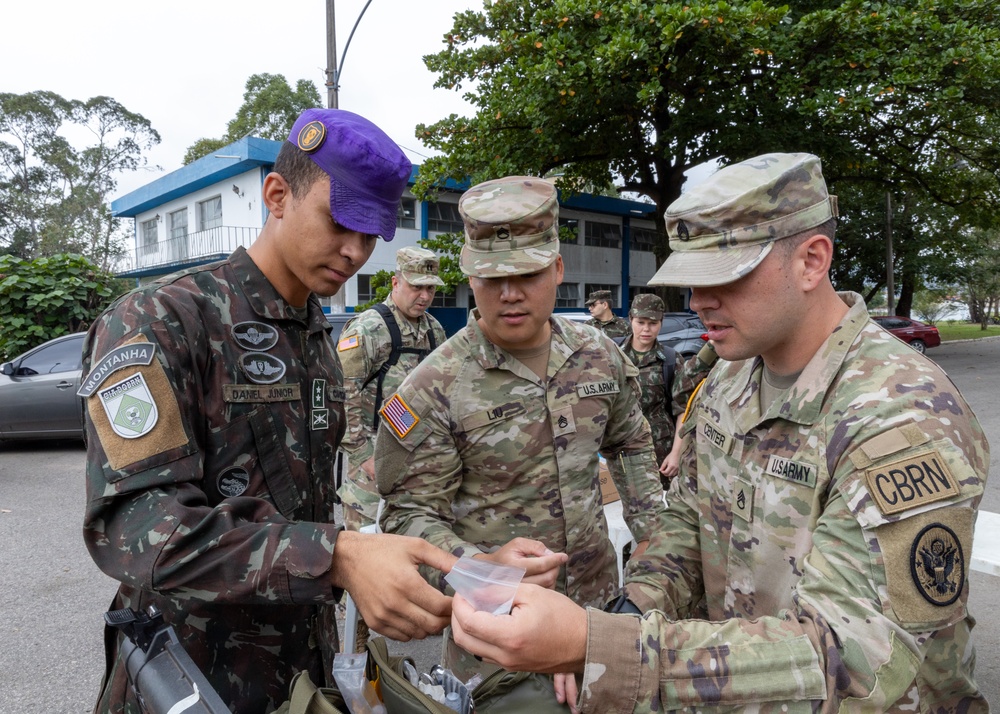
{"x": 487, "y": 586}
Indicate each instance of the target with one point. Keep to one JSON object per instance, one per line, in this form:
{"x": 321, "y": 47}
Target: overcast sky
{"x": 183, "y": 64}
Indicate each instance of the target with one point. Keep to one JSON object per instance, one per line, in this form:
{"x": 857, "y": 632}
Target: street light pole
{"x": 890, "y": 289}
{"x": 333, "y": 71}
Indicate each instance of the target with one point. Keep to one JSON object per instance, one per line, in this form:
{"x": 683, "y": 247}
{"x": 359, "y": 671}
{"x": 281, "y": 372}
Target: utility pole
{"x": 890, "y": 289}
{"x": 331, "y": 56}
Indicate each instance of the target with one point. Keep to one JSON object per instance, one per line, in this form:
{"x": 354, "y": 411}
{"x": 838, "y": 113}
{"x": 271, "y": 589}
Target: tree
{"x": 48, "y": 297}
{"x": 448, "y": 246}
{"x": 270, "y": 108}
{"x": 636, "y": 92}
{"x": 980, "y": 273}
{"x": 53, "y": 195}
{"x": 931, "y": 304}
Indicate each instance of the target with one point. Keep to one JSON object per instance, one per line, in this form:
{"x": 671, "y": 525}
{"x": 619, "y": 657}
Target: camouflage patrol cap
{"x": 648, "y": 306}
{"x": 598, "y": 296}
{"x": 723, "y": 228}
{"x": 418, "y": 266}
{"x": 511, "y": 227}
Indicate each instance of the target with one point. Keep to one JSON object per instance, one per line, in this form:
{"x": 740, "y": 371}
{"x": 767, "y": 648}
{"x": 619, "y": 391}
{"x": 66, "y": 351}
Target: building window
{"x": 365, "y": 292}
{"x": 569, "y": 230}
{"x": 210, "y": 213}
{"x": 443, "y": 300}
{"x": 178, "y": 222}
{"x": 568, "y": 295}
{"x": 149, "y": 235}
{"x": 647, "y": 239}
{"x": 602, "y": 235}
{"x": 592, "y": 287}
{"x": 406, "y": 216}
{"x": 444, "y": 217}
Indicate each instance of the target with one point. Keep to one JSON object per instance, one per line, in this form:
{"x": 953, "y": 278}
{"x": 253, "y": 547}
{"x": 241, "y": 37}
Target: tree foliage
{"x": 448, "y": 246}
{"x": 980, "y": 275}
{"x": 53, "y": 194}
{"x": 891, "y": 95}
{"x": 270, "y": 108}
{"x": 48, "y": 297}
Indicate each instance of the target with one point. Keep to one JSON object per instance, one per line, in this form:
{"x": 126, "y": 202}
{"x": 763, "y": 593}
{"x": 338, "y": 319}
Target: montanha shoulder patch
{"x": 130, "y": 355}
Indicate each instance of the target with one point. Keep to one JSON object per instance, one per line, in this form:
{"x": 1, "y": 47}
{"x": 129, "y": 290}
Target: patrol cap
{"x": 368, "y": 171}
{"x": 418, "y": 266}
{"x": 648, "y": 306}
{"x": 598, "y": 296}
{"x": 723, "y": 228}
{"x": 511, "y": 227}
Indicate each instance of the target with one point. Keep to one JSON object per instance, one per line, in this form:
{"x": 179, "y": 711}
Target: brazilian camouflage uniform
{"x": 818, "y": 548}
{"x": 656, "y": 403}
{"x": 615, "y": 327}
{"x": 780, "y": 548}
{"x": 361, "y": 359}
{"x": 489, "y": 452}
{"x": 204, "y": 515}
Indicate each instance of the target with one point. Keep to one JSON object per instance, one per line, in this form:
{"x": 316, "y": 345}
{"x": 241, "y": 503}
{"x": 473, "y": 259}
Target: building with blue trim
{"x": 203, "y": 211}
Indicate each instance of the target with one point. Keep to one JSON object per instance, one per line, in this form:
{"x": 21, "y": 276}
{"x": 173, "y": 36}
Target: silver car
{"x": 38, "y": 392}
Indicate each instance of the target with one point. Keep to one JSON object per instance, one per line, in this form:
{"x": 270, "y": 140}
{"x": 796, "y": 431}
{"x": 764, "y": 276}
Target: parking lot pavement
{"x": 53, "y": 597}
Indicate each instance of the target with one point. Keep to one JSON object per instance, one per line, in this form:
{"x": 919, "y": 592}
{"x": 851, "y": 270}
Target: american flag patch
{"x": 347, "y": 343}
{"x": 399, "y": 416}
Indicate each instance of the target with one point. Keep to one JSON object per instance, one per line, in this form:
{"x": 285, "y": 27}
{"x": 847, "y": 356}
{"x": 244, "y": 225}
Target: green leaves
{"x": 47, "y": 297}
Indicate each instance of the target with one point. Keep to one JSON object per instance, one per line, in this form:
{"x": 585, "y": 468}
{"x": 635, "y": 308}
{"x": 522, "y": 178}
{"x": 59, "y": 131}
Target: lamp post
{"x": 332, "y": 70}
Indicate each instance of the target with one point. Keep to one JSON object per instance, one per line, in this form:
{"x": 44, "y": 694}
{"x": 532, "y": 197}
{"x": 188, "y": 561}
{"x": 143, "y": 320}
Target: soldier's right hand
{"x": 380, "y": 572}
{"x": 541, "y": 565}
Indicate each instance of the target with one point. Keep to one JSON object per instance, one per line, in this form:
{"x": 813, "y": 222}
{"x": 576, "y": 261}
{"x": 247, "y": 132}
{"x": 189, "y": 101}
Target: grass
{"x": 952, "y": 330}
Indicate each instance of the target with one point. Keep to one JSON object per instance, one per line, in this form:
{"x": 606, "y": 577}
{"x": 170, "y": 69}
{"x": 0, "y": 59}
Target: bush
{"x": 48, "y": 297}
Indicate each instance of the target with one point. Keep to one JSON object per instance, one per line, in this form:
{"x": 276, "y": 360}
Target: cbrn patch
{"x": 937, "y": 564}
{"x": 130, "y": 407}
{"x": 916, "y": 480}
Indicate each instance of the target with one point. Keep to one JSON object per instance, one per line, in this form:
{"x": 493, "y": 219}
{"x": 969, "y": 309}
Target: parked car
{"x": 681, "y": 330}
{"x": 38, "y": 392}
{"x": 918, "y": 335}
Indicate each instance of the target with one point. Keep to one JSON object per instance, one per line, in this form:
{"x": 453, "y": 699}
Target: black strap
{"x": 397, "y": 349}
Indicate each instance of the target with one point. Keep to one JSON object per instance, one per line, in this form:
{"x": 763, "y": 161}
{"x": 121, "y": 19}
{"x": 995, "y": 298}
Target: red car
{"x": 918, "y": 335}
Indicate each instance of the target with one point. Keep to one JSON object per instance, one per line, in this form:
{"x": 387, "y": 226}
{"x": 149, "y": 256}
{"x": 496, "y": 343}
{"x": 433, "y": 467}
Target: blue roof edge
{"x": 231, "y": 160}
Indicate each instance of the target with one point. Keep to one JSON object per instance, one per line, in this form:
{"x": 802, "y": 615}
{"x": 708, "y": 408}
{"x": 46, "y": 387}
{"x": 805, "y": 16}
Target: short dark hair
{"x": 788, "y": 245}
{"x": 297, "y": 169}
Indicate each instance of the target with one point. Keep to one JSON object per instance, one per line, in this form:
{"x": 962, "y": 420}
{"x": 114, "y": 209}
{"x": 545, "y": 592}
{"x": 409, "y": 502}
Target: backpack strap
{"x": 397, "y": 349}
{"x": 668, "y": 371}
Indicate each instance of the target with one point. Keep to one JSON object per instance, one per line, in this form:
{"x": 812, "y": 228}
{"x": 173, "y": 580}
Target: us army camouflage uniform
{"x": 656, "y": 402}
{"x": 818, "y": 553}
{"x": 615, "y": 327}
{"x": 496, "y": 454}
{"x": 204, "y": 514}
{"x": 361, "y": 359}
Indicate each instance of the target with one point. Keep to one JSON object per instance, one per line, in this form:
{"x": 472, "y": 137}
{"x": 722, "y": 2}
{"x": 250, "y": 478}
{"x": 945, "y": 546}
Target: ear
{"x": 560, "y": 270}
{"x": 395, "y": 281}
{"x": 276, "y": 194}
{"x": 814, "y": 256}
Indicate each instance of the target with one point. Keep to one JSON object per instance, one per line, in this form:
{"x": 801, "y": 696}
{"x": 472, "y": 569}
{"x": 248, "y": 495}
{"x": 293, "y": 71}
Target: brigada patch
{"x": 130, "y": 407}
{"x": 937, "y": 564}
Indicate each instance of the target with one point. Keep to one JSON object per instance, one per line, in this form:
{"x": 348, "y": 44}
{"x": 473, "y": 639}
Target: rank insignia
{"x": 348, "y": 343}
{"x": 311, "y": 136}
{"x": 937, "y": 564}
{"x": 319, "y": 393}
{"x": 130, "y": 407}
{"x": 399, "y": 416}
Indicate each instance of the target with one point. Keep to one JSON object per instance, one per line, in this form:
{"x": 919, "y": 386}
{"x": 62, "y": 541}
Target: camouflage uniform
{"x": 616, "y": 326}
{"x": 656, "y": 403}
{"x": 778, "y": 548}
{"x": 487, "y": 451}
{"x": 363, "y": 348}
{"x": 818, "y": 547}
{"x": 250, "y": 410}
